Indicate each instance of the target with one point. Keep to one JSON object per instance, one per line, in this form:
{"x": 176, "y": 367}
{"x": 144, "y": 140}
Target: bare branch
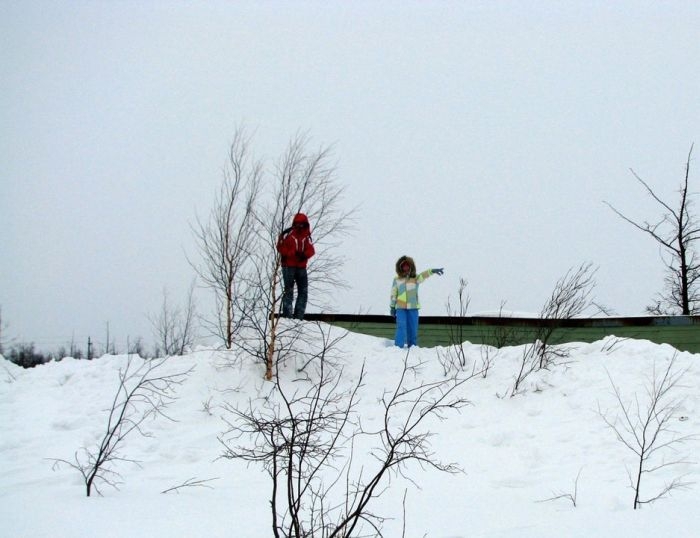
{"x": 191, "y": 483}
{"x": 573, "y": 497}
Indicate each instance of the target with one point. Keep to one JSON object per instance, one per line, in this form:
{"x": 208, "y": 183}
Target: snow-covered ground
{"x": 517, "y": 453}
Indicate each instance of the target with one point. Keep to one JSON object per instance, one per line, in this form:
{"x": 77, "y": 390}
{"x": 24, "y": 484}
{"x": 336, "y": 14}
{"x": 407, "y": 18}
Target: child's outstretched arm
{"x": 428, "y": 273}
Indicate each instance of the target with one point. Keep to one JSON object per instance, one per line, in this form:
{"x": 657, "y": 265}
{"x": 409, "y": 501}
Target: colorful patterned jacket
{"x": 404, "y": 289}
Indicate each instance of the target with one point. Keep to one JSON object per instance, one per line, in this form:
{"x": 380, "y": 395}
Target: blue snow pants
{"x": 406, "y": 327}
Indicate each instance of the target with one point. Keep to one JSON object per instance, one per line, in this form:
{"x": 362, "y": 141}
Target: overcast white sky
{"x": 478, "y": 136}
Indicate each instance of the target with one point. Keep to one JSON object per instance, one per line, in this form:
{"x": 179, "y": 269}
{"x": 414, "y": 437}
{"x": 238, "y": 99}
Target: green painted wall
{"x": 681, "y": 332}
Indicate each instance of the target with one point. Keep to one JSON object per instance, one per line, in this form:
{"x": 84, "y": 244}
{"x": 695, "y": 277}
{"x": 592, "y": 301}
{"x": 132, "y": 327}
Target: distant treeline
{"x": 27, "y": 356}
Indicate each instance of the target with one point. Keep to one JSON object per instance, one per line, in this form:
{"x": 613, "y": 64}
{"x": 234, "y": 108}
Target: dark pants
{"x": 290, "y": 277}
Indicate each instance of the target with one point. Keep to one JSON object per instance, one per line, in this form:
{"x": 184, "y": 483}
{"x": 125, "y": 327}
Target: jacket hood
{"x": 300, "y": 217}
{"x": 411, "y": 263}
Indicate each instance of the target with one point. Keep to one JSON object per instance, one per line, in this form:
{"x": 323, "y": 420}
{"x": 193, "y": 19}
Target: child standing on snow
{"x": 404, "y": 300}
{"x": 295, "y": 247}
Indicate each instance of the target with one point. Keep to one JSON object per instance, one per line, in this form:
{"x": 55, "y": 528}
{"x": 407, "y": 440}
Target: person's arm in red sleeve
{"x": 309, "y": 249}
{"x": 286, "y": 245}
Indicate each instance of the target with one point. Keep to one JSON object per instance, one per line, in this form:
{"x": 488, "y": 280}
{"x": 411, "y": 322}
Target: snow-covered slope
{"x": 517, "y": 453}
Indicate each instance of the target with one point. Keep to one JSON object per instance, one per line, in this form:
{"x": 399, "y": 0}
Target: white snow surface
{"x": 516, "y": 453}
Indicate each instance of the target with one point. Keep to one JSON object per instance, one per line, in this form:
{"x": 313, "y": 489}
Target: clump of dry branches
{"x": 570, "y": 298}
{"x": 304, "y": 435}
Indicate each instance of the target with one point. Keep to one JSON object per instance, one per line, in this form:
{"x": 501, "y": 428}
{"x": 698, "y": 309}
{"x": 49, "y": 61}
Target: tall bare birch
{"x": 229, "y": 235}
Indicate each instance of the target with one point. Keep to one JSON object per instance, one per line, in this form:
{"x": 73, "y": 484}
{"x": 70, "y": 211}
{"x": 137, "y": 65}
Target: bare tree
{"x": 304, "y": 181}
{"x": 645, "y": 428}
{"x": 677, "y": 233}
{"x": 143, "y": 392}
{"x": 570, "y": 298}
{"x": 228, "y": 237}
{"x": 174, "y": 327}
{"x": 305, "y": 438}
{"x": 238, "y": 243}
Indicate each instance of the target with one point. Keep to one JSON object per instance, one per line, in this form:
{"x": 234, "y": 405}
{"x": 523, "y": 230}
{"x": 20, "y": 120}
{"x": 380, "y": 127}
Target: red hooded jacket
{"x": 296, "y": 246}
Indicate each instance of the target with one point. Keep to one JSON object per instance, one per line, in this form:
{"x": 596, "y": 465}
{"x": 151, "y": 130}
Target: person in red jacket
{"x": 295, "y": 248}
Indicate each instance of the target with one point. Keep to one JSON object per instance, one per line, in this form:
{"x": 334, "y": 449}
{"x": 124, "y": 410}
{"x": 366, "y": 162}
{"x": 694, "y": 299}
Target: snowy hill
{"x": 520, "y": 455}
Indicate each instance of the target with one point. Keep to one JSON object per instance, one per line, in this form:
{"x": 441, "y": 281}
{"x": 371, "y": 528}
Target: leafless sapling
{"x": 293, "y": 434}
{"x": 570, "y": 298}
{"x": 455, "y": 356}
{"x": 228, "y": 237}
{"x": 144, "y": 392}
{"x": 174, "y": 328}
{"x": 677, "y": 233}
{"x": 646, "y": 429}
